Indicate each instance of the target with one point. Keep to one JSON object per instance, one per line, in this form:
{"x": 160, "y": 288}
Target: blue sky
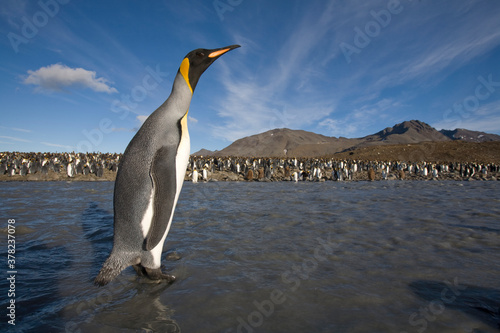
{"x": 83, "y": 75}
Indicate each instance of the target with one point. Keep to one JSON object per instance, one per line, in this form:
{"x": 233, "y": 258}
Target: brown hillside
{"x": 285, "y": 142}
{"x": 448, "y": 151}
{"x": 295, "y": 142}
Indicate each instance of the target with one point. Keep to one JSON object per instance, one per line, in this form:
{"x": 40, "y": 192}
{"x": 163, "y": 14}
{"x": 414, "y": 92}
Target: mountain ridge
{"x": 281, "y": 142}
{"x": 470, "y": 136}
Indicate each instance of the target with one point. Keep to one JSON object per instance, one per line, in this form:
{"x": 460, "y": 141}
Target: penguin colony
{"x": 150, "y": 177}
{"x": 245, "y": 168}
{"x": 69, "y": 164}
{"x": 21, "y": 165}
{"x": 325, "y": 169}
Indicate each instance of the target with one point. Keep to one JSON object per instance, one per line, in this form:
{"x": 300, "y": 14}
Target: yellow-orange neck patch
{"x": 184, "y": 69}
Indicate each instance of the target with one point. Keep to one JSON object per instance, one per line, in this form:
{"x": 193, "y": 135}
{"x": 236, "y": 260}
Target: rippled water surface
{"x": 395, "y": 256}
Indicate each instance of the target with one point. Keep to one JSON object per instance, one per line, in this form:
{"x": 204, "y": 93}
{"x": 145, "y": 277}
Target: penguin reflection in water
{"x": 150, "y": 177}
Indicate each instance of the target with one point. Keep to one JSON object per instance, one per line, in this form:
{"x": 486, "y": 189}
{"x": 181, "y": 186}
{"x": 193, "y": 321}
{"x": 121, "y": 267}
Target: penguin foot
{"x": 153, "y": 273}
{"x": 157, "y": 274}
{"x": 140, "y": 270}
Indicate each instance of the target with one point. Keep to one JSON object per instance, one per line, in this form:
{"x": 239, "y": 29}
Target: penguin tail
{"x": 111, "y": 268}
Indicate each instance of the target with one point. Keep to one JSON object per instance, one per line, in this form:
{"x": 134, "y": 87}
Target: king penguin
{"x": 150, "y": 177}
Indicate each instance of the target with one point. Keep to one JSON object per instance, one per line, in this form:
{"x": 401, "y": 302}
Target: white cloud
{"x": 57, "y": 77}
{"x": 488, "y": 125}
{"x": 16, "y": 129}
{"x": 399, "y": 57}
{"x": 454, "y": 53}
{"x": 486, "y": 119}
{"x": 251, "y": 108}
{"x": 142, "y": 118}
{"x": 338, "y": 127}
{"x": 360, "y": 118}
{"x": 14, "y": 138}
{"x": 192, "y": 119}
{"x": 57, "y": 145}
{"x": 433, "y": 52}
{"x": 21, "y": 130}
{"x": 305, "y": 77}
{"x": 123, "y": 129}
{"x": 286, "y": 91}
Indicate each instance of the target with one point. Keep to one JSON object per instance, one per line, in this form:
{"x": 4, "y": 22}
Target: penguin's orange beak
{"x": 220, "y": 52}
{"x": 217, "y": 53}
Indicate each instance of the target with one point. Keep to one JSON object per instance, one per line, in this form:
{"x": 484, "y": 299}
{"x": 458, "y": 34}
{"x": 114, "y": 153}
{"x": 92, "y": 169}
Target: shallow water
{"x": 396, "y": 256}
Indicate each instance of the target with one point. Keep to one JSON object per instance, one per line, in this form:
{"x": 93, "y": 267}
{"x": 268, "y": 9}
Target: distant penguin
{"x": 150, "y": 177}
{"x": 434, "y": 172}
{"x": 315, "y": 173}
{"x": 24, "y": 170}
{"x": 45, "y": 169}
{"x": 79, "y": 168}
{"x": 268, "y": 172}
{"x": 340, "y": 175}
{"x": 93, "y": 168}
{"x": 287, "y": 172}
{"x": 100, "y": 171}
{"x": 371, "y": 174}
{"x": 385, "y": 173}
{"x": 71, "y": 170}
{"x": 37, "y": 167}
{"x": 195, "y": 176}
{"x": 261, "y": 173}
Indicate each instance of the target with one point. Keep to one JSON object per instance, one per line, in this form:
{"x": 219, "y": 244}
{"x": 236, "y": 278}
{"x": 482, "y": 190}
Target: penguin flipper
{"x": 163, "y": 175}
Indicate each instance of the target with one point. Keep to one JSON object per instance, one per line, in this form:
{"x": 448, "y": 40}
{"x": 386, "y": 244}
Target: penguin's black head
{"x": 197, "y": 61}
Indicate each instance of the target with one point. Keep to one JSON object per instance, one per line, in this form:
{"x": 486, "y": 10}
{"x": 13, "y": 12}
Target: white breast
{"x": 182, "y": 159}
